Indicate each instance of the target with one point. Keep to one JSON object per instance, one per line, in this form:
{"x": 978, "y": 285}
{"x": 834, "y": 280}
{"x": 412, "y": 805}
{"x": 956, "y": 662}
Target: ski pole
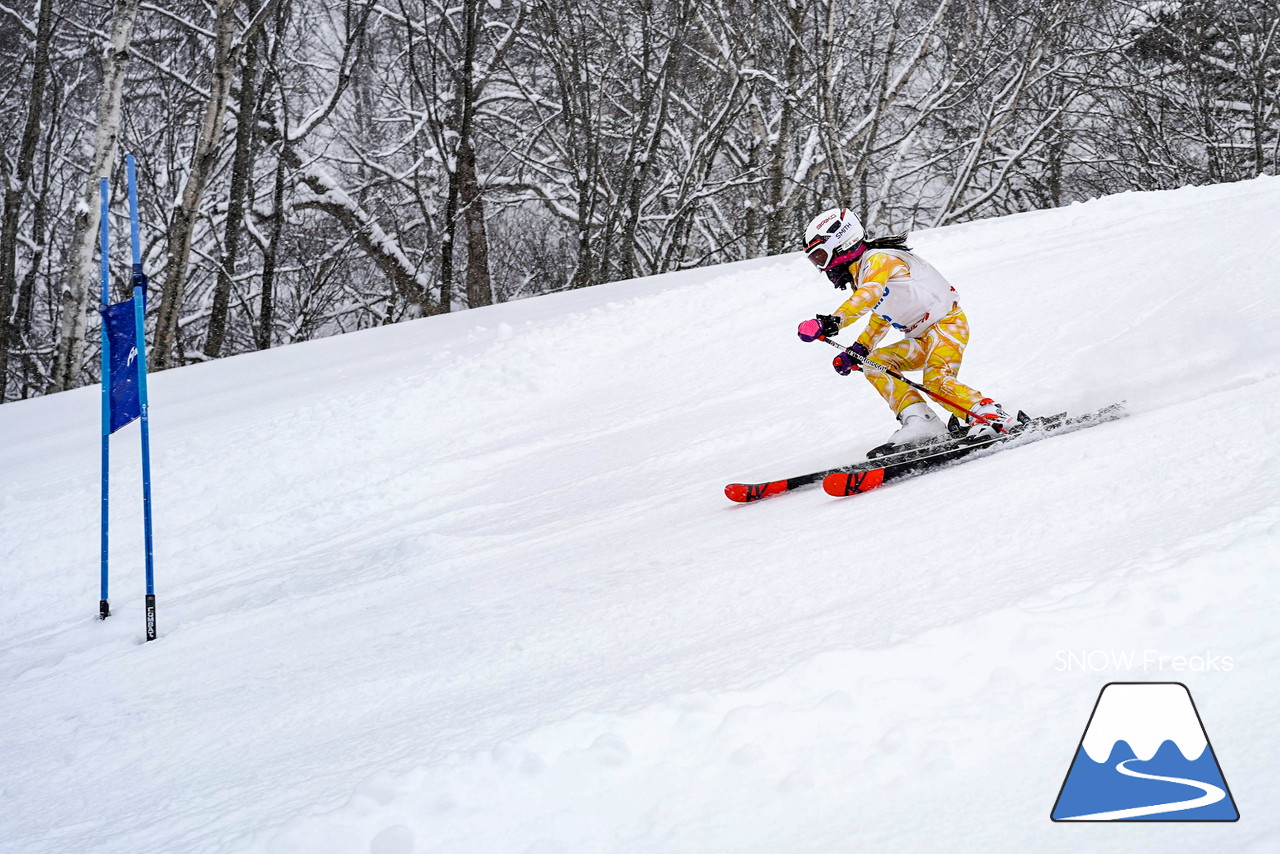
{"x": 885, "y": 369}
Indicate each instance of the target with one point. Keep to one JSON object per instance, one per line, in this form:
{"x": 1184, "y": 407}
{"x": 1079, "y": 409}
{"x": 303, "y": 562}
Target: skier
{"x": 904, "y": 292}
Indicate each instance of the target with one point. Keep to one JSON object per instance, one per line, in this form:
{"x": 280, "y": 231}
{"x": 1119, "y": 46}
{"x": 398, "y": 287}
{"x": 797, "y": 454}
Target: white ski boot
{"x": 989, "y": 419}
{"x": 919, "y": 427}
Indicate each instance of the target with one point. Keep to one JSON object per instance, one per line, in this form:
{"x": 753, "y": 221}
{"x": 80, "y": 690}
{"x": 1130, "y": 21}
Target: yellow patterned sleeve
{"x": 875, "y": 271}
{"x": 877, "y": 326}
{"x": 878, "y": 268}
{"x": 858, "y": 304}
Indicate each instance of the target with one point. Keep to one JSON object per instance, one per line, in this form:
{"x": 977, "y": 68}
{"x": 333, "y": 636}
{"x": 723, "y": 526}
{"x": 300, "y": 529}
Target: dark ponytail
{"x": 892, "y": 241}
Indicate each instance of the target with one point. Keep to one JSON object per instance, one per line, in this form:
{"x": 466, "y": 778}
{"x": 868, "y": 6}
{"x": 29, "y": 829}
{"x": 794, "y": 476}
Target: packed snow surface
{"x": 470, "y": 584}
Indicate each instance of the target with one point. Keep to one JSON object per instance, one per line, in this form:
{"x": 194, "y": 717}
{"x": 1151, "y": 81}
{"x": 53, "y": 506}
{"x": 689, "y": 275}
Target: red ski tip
{"x": 852, "y": 483}
{"x": 744, "y": 492}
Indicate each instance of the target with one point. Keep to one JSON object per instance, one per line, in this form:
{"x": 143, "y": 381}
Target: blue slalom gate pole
{"x": 135, "y": 245}
{"x": 104, "y": 608}
{"x": 139, "y": 316}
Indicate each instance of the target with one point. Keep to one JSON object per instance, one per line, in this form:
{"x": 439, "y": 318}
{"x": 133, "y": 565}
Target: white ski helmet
{"x": 831, "y": 234}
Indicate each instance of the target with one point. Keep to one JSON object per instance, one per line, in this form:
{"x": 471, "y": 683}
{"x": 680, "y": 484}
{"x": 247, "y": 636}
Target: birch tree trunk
{"x": 267, "y": 299}
{"x": 72, "y": 299}
{"x": 461, "y": 166}
{"x": 241, "y": 179}
{"x": 479, "y": 282}
{"x": 203, "y": 158}
{"x": 777, "y": 224}
{"x": 17, "y": 187}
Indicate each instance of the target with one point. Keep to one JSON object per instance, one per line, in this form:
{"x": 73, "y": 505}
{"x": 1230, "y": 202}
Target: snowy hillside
{"x": 470, "y": 584}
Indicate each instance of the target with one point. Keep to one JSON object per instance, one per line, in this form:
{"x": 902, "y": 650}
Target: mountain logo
{"x": 1145, "y": 756}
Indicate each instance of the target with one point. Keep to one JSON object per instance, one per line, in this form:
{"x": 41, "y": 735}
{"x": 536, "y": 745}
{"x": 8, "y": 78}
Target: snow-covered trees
{"x": 17, "y": 184}
{"x": 72, "y": 300}
{"x": 1208, "y": 72}
{"x": 315, "y": 166}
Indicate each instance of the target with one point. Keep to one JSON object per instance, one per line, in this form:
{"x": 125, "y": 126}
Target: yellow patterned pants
{"x": 938, "y": 352}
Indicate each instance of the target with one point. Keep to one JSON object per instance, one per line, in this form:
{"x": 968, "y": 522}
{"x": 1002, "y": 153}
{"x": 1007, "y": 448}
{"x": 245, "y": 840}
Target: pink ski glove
{"x": 822, "y": 326}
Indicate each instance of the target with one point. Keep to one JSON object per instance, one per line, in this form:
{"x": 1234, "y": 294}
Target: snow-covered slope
{"x": 470, "y": 584}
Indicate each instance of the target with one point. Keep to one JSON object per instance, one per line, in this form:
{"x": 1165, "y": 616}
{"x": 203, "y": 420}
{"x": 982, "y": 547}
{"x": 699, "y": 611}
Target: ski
{"x": 870, "y": 475}
{"x": 861, "y": 477}
{"x": 747, "y": 492}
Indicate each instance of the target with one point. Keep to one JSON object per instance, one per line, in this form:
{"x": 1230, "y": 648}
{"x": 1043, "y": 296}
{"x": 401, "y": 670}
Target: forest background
{"x": 310, "y": 167}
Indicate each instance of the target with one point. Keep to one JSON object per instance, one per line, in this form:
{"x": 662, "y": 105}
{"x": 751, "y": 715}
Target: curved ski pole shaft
{"x": 888, "y": 371}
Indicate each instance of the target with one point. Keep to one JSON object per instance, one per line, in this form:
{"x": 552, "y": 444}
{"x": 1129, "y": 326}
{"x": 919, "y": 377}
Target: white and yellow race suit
{"x": 902, "y": 291}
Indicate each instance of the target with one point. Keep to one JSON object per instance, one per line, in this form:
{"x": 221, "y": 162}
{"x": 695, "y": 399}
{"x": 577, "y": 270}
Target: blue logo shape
{"x": 1145, "y": 756}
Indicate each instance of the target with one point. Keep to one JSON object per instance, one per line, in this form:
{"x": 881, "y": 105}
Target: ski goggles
{"x": 817, "y": 252}
{"x": 820, "y": 257}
